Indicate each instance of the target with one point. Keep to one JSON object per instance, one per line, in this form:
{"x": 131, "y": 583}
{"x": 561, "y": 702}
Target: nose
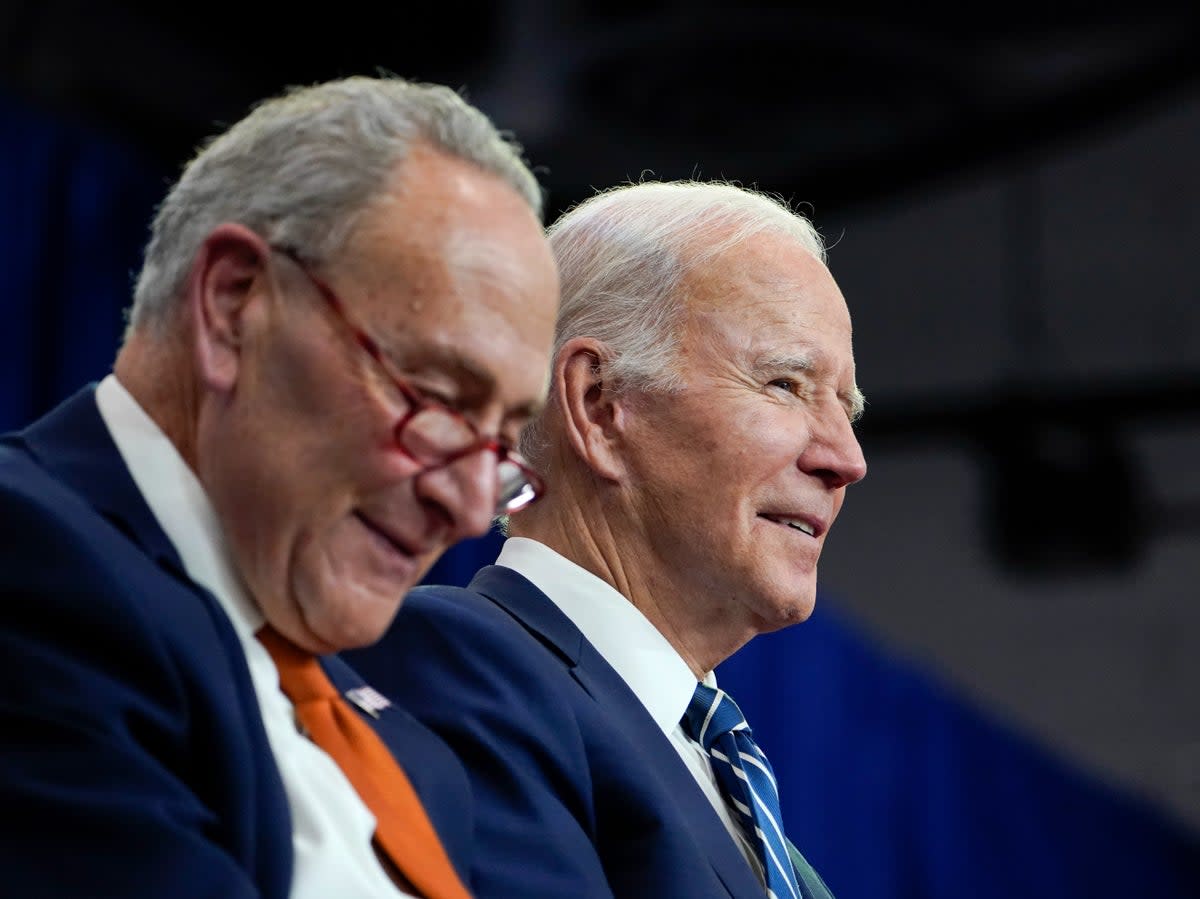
{"x": 466, "y": 489}
{"x": 833, "y": 452}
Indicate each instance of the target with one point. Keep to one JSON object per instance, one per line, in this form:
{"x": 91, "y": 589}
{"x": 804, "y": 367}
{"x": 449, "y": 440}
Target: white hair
{"x": 303, "y": 166}
{"x": 622, "y": 255}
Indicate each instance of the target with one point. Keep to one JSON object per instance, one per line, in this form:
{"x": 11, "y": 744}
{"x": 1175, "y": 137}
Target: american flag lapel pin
{"x": 368, "y": 699}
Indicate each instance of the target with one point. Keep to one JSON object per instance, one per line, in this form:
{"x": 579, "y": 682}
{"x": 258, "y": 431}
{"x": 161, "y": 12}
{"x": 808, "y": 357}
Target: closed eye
{"x": 429, "y": 392}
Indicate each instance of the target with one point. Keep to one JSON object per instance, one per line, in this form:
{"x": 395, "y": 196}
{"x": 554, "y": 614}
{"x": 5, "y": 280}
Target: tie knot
{"x": 710, "y": 714}
{"x": 300, "y": 674}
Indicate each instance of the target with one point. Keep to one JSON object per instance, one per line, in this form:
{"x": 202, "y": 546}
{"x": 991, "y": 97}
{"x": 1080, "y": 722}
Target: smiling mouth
{"x": 383, "y": 536}
{"x": 796, "y": 524}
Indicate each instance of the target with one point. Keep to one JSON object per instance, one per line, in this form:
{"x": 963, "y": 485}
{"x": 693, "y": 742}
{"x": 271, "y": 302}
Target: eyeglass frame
{"x": 416, "y": 401}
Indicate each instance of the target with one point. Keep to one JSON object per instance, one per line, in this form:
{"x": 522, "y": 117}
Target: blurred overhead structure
{"x": 828, "y": 108}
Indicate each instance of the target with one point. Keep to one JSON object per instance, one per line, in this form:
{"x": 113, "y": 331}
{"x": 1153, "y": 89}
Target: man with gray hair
{"x": 697, "y": 444}
{"x": 343, "y": 321}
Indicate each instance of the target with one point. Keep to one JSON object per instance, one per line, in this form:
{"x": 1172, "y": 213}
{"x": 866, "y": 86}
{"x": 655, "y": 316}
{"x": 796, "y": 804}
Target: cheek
{"x": 310, "y": 386}
{"x": 776, "y": 443}
{"x": 322, "y": 424}
{"x": 287, "y": 489}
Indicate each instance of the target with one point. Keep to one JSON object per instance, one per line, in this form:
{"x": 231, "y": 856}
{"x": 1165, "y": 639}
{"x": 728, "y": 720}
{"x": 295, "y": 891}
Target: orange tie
{"x": 402, "y": 829}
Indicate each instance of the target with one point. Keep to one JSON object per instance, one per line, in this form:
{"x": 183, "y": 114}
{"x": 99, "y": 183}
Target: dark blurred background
{"x": 996, "y": 697}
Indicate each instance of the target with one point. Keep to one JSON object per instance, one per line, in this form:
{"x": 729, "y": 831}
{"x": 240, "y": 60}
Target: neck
{"x": 154, "y": 371}
{"x": 576, "y": 525}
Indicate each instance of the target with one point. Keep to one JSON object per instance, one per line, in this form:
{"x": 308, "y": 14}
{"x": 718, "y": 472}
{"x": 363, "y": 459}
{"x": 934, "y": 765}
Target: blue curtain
{"x": 894, "y": 786}
{"x": 74, "y": 218}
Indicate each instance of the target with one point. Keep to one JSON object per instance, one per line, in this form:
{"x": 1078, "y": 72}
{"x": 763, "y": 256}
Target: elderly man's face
{"x": 328, "y": 521}
{"x": 738, "y": 478}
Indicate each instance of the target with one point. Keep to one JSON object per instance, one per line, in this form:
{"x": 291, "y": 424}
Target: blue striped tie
{"x": 715, "y": 722}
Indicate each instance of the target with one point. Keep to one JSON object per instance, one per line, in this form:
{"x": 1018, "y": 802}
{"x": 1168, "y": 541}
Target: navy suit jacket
{"x": 578, "y": 792}
{"x": 134, "y": 762}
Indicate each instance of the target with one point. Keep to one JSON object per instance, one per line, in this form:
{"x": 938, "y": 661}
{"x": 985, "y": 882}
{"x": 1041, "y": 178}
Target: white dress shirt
{"x": 331, "y": 827}
{"x": 635, "y": 648}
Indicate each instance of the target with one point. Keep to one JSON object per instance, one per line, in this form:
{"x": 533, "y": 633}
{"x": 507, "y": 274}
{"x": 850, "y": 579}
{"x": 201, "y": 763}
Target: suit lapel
{"x": 532, "y": 609}
{"x": 73, "y": 444}
{"x": 538, "y": 614}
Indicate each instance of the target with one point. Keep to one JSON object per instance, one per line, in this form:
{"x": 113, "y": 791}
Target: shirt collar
{"x": 178, "y": 501}
{"x": 634, "y": 647}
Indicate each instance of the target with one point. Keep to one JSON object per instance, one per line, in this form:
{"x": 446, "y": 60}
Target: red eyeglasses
{"x": 429, "y": 432}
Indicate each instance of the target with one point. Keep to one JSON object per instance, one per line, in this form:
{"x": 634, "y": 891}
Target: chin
{"x": 424, "y": 563}
{"x": 795, "y": 609}
{"x": 348, "y": 617}
{"x": 361, "y": 633}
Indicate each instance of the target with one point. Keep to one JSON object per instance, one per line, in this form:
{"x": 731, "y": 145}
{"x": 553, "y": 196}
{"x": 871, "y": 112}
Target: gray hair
{"x": 303, "y": 166}
{"x": 622, "y": 255}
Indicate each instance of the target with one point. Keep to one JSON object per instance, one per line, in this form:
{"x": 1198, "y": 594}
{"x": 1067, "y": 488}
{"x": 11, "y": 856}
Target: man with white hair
{"x": 697, "y": 445}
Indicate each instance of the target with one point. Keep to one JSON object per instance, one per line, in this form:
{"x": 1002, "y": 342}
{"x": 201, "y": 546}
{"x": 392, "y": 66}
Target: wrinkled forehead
{"x": 770, "y": 293}
{"x": 464, "y": 286}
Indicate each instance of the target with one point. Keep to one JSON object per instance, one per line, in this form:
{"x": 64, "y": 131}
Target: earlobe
{"x": 592, "y": 413}
{"x": 224, "y": 274}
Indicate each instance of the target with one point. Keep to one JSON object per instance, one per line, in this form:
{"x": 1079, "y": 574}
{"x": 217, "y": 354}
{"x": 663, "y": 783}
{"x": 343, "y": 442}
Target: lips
{"x": 396, "y": 543}
{"x": 802, "y": 523}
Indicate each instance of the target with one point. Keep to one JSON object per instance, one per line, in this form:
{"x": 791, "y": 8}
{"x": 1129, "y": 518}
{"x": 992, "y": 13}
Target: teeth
{"x": 795, "y": 523}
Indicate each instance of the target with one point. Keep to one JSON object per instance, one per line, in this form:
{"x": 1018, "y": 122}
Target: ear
{"x": 593, "y": 416}
{"x": 227, "y": 271}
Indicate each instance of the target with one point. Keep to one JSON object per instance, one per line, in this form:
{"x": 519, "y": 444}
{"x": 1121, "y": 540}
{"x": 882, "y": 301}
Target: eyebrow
{"x": 856, "y": 402}
{"x": 784, "y": 362}
{"x": 853, "y": 399}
